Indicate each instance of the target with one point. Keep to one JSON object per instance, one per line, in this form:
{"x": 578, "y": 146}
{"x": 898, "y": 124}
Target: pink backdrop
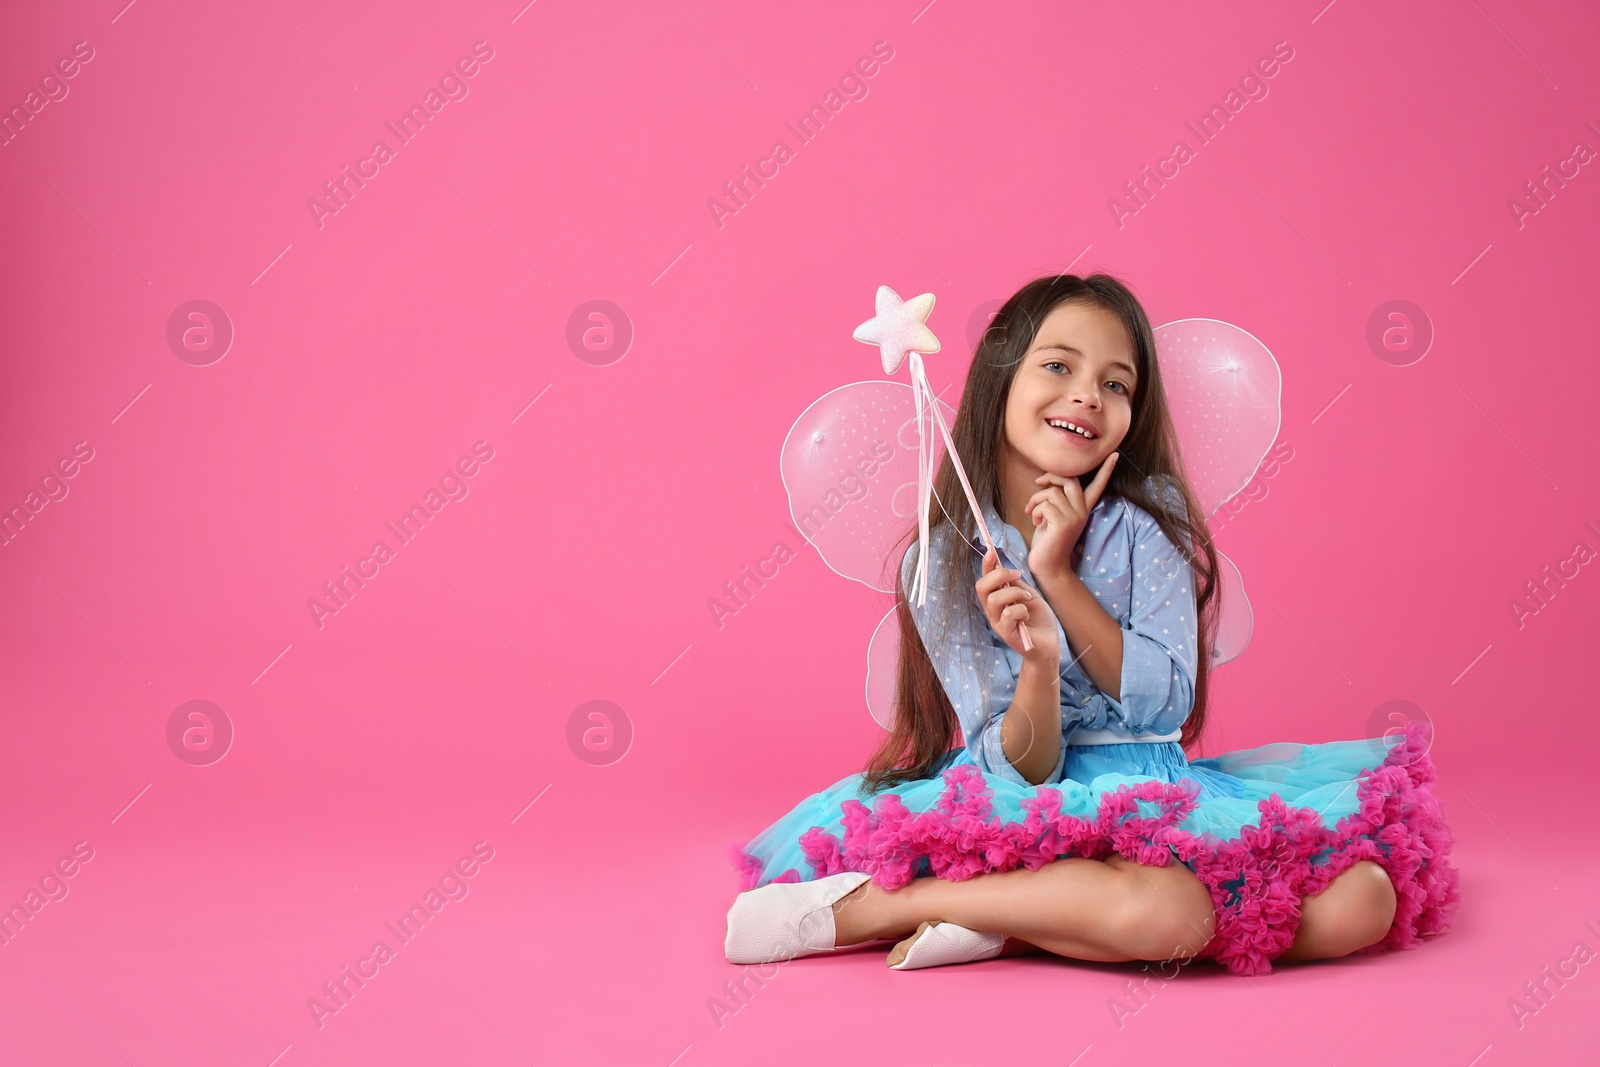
{"x": 184, "y": 496}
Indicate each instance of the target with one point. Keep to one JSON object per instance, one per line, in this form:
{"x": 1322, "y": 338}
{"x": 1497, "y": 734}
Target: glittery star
{"x": 899, "y": 327}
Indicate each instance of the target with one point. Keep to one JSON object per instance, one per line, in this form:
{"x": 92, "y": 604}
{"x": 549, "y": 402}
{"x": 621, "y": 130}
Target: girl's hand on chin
{"x": 1060, "y": 511}
{"x": 1006, "y": 601}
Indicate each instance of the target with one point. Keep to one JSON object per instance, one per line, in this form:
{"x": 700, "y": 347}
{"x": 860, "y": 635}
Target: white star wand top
{"x": 899, "y": 329}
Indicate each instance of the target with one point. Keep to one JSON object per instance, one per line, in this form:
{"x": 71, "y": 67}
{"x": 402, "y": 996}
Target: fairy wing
{"x": 849, "y": 466}
{"x": 850, "y": 469}
{"x": 1225, "y": 391}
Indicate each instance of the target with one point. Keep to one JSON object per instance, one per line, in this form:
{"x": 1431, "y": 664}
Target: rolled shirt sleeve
{"x": 994, "y": 760}
{"x": 959, "y": 653}
{"x": 1159, "y": 636}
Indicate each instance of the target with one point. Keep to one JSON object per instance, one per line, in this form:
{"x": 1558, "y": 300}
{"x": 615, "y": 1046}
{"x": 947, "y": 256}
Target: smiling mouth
{"x": 1065, "y": 428}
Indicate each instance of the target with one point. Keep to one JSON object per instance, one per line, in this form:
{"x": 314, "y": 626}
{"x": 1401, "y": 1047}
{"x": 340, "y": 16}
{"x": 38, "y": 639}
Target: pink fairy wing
{"x": 849, "y": 466}
{"x": 1225, "y": 390}
{"x": 1236, "y": 619}
{"x": 883, "y": 661}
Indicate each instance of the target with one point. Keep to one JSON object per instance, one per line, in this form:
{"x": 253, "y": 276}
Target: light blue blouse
{"x": 1137, "y": 576}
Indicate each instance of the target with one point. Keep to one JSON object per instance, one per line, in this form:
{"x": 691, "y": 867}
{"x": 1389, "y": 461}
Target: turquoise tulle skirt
{"x": 1262, "y": 828}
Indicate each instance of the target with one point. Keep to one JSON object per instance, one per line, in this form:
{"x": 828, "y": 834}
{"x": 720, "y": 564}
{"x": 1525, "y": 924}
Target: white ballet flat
{"x": 786, "y": 920}
{"x": 936, "y": 944}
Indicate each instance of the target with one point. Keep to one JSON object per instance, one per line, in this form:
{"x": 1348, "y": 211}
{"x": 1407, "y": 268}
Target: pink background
{"x": 372, "y": 351}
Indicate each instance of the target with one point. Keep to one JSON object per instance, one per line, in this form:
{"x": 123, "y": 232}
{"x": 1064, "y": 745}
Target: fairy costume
{"x": 1261, "y": 828}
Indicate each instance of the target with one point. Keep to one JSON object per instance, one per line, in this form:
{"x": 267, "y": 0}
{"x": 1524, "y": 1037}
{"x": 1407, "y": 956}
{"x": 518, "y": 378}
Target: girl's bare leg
{"x": 1110, "y": 910}
{"x": 1356, "y": 910}
{"x": 1106, "y": 910}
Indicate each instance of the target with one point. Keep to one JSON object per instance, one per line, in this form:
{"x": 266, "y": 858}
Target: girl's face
{"x": 1079, "y": 370}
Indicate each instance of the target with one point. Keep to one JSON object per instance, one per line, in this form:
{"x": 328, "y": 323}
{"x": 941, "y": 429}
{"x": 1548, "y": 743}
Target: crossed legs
{"x": 1110, "y": 910}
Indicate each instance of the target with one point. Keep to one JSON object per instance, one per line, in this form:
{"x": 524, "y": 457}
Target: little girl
{"x": 1054, "y": 824}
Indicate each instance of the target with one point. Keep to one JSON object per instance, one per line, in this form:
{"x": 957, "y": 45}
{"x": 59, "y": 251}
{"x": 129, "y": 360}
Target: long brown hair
{"x": 925, "y": 724}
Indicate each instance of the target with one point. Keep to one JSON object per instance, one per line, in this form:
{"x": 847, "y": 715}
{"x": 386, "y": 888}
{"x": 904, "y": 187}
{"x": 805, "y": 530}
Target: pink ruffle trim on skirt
{"x": 1257, "y": 880}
